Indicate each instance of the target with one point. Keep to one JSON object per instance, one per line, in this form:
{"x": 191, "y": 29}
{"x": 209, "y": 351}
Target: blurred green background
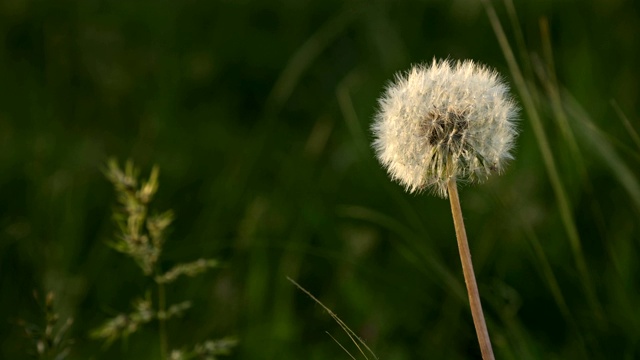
{"x": 258, "y": 115}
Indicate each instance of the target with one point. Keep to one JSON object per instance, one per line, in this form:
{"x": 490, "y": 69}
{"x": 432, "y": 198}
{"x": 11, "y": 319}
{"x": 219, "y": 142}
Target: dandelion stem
{"x": 162, "y": 304}
{"x": 469, "y": 276}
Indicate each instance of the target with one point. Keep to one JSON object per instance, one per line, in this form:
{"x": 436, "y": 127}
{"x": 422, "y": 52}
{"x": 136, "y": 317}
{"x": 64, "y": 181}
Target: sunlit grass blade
{"x": 341, "y": 346}
{"x": 357, "y": 341}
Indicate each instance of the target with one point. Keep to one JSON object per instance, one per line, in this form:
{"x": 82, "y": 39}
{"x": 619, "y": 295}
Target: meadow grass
{"x": 141, "y": 236}
{"x": 264, "y": 148}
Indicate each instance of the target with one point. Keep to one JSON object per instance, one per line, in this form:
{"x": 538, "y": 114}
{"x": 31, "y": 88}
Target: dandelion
{"x": 440, "y": 124}
{"x": 448, "y": 120}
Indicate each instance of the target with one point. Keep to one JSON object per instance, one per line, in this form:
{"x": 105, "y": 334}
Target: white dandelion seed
{"x": 443, "y": 121}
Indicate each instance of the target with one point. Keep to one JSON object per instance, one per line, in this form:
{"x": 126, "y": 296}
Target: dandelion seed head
{"x": 448, "y": 119}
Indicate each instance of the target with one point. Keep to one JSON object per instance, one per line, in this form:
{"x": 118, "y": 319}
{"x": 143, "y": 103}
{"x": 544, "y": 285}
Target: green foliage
{"x": 190, "y": 269}
{"x": 49, "y": 342}
{"x": 124, "y": 325}
{"x": 258, "y": 114}
{"x": 208, "y": 350}
{"x": 144, "y": 247}
{"x": 142, "y": 238}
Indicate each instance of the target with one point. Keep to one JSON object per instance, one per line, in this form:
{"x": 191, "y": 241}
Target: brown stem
{"x": 469, "y": 276}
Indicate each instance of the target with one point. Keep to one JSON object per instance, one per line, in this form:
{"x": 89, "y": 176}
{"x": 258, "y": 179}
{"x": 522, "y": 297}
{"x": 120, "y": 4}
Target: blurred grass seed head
{"x": 449, "y": 119}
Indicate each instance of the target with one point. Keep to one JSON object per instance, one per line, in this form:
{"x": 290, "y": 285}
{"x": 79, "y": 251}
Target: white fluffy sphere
{"x": 449, "y": 119}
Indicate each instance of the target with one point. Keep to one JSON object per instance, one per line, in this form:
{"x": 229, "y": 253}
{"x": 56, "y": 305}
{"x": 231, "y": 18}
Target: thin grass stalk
{"x": 627, "y": 124}
{"x": 162, "y": 321}
{"x": 547, "y": 156}
{"x": 357, "y": 341}
{"x": 469, "y": 276}
{"x": 519, "y": 37}
{"x": 551, "y": 85}
{"x": 548, "y": 78}
{"x": 422, "y": 258}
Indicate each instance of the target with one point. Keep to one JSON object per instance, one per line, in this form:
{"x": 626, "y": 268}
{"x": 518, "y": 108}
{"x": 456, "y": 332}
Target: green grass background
{"x": 258, "y": 114}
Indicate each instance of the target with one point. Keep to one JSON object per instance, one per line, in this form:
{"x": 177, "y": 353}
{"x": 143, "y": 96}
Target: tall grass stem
{"x": 162, "y": 321}
{"x": 469, "y": 276}
{"x": 564, "y": 205}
